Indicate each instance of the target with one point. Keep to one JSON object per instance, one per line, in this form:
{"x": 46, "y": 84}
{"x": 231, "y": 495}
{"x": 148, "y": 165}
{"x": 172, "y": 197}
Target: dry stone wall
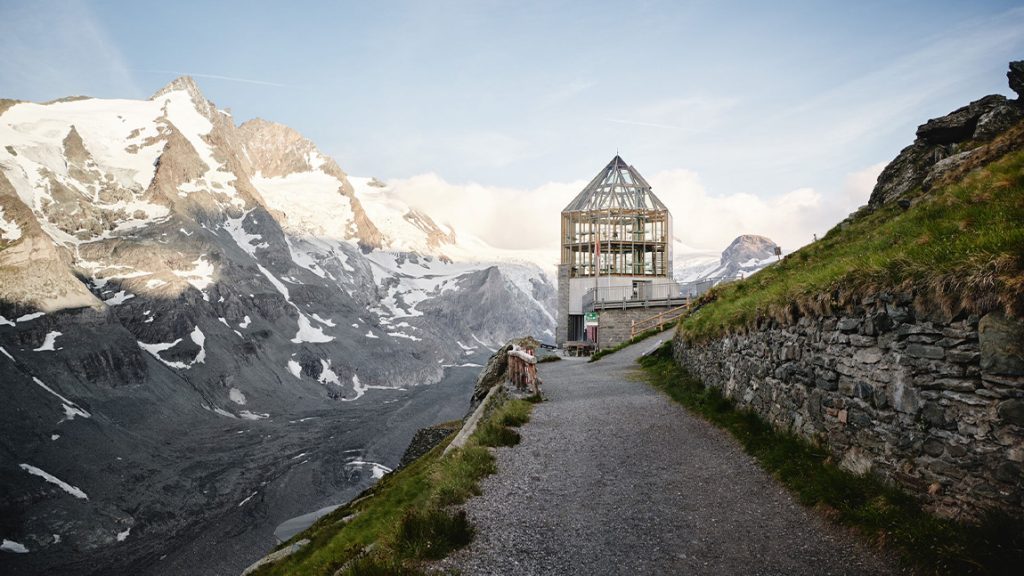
{"x": 616, "y": 325}
{"x": 933, "y": 405}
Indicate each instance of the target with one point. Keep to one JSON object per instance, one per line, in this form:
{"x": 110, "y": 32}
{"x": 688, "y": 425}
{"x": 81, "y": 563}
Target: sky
{"x": 770, "y": 118}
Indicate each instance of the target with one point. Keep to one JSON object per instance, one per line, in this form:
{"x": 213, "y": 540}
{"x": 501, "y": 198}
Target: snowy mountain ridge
{"x": 184, "y": 299}
{"x": 745, "y": 255}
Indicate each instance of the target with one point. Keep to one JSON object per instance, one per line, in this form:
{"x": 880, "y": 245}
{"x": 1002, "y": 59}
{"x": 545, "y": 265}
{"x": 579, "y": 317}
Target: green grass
{"x": 408, "y": 516}
{"x": 959, "y": 248}
{"x": 641, "y": 336}
{"x": 882, "y": 513}
{"x": 514, "y": 413}
{"x": 551, "y": 358}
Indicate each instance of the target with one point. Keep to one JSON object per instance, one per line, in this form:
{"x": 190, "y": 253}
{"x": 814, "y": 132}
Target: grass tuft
{"x": 514, "y": 413}
{"x": 495, "y": 434}
{"x": 881, "y": 512}
{"x": 430, "y": 533}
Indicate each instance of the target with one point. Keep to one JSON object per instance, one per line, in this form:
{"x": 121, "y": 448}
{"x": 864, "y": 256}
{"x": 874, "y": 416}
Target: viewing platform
{"x": 650, "y": 295}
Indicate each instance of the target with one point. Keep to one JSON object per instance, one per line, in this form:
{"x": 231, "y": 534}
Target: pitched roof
{"x": 618, "y": 185}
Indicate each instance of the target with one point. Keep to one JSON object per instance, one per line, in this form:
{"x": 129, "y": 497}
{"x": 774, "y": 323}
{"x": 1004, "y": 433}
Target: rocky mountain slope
{"x": 745, "y": 255}
{"x": 186, "y": 304}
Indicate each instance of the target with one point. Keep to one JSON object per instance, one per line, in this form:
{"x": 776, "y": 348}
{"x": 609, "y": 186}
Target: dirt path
{"x": 614, "y": 478}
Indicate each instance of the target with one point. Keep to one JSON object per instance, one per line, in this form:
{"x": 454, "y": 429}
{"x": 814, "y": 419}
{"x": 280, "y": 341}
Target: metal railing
{"x": 698, "y": 287}
{"x": 606, "y": 296}
{"x": 657, "y": 321}
{"x": 646, "y": 295}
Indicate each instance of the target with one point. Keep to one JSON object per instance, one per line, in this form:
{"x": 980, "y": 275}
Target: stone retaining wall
{"x": 935, "y": 406}
{"x": 615, "y": 325}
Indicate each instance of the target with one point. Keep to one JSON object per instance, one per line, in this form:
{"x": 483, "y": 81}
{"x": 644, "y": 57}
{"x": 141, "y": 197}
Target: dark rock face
{"x": 945, "y": 143}
{"x": 1016, "y": 77}
{"x": 425, "y": 440}
{"x": 913, "y": 400}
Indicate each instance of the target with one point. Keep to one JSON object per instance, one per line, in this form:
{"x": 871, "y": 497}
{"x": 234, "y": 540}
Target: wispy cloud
{"x": 692, "y": 114}
{"x": 219, "y": 77}
{"x": 647, "y": 124}
{"x": 566, "y": 92}
{"x": 53, "y": 49}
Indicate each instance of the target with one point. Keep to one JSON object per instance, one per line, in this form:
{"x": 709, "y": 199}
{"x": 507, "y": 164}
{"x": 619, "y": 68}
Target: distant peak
{"x": 186, "y": 83}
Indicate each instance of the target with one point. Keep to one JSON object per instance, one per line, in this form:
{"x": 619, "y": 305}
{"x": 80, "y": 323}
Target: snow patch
{"x": 9, "y": 229}
{"x": 247, "y": 415}
{"x": 122, "y": 536}
{"x": 245, "y": 240}
{"x": 70, "y": 408}
{"x": 295, "y": 368}
{"x": 325, "y": 322}
{"x": 121, "y": 297}
{"x": 48, "y": 342}
{"x": 237, "y": 396}
{"x": 200, "y": 276}
{"x": 77, "y": 493}
{"x": 312, "y": 202}
{"x": 12, "y": 546}
{"x": 376, "y": 470}
{"x": 197, "y": 337}
{"x": 327, "y": 375}
{"x": 308, "y": 333}
{"x": 31, "y": 316}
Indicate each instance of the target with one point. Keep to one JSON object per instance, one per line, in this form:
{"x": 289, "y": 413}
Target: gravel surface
{"x": 612, "y": 477}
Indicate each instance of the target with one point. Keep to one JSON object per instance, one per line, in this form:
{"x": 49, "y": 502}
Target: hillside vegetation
{"x": 959, "y": 248}
{"x": 410, "y": 516}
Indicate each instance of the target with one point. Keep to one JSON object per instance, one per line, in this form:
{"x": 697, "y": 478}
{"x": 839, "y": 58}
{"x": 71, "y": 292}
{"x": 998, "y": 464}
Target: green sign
{"x": 590, "y": 319}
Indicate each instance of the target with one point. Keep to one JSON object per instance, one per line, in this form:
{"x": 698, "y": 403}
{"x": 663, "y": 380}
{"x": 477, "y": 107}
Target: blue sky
{"x": 736, "y": 98}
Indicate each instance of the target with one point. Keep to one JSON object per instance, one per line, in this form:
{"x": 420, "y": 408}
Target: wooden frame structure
{"x": 617, "y": 227}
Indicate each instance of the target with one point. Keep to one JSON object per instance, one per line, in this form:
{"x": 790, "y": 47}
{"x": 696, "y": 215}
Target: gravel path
{"x": 612, "y": 477}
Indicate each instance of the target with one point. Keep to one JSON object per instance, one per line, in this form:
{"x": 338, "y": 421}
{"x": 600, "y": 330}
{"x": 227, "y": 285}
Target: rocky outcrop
{"x": 945, "y": 144}
{"x": 933, "y": 405}
{"x": 496, "y": 369}
{"x": 425, "y": 440}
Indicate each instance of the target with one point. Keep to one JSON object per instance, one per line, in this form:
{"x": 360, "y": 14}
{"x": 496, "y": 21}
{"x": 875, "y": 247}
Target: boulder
{"x": 959, "y": 125}
{"x": 1002, "y": 345}
{"x": 1016, "y": 77}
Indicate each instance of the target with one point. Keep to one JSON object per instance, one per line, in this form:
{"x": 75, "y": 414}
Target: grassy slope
{"x": 959, "y": 247}
{"x": 886, "y": 515}
{"x": 407, "y": 516}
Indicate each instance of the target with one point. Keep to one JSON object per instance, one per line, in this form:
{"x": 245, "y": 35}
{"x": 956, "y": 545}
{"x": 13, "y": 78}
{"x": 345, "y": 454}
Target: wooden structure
{"x": 522, "y": 369}
{"x": 579, "y": 347}
{"x": 659, "y": 320}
